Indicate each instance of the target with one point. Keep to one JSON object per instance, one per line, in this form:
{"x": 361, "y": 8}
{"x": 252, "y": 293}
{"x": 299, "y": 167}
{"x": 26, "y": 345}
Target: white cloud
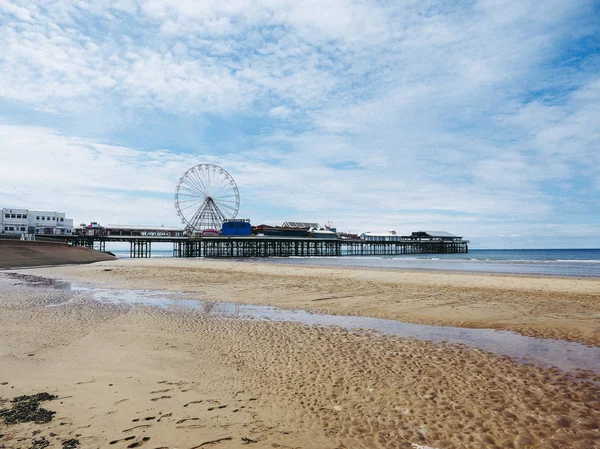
{"x": 92, "y": 180}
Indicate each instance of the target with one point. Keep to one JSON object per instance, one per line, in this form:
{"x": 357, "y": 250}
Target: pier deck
{"x": 259, "y": 246}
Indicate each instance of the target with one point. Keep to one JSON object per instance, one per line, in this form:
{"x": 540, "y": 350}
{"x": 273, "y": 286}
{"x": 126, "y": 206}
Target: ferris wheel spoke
{"x": 202, "y": 178}
{"x": 206, "y": 178}
{"x": 187, "y": 204}
{"x": 185, "y": 195}
{"x": 196, "y": 181}
{"x": 190, "y": 207}
{"x": 227, "y": 208}
{"x": 191, "y": 202}
{"x": 221, "y": 189}
{"x": 192, "y": 188}
{"x": 194, "y": 184}
{"x": 219, "y": 179}
{"x": 194, "y": 199}
{"x": 225, "y": 201}
{"x": 225, "y": 196}
{"x": 222, "y": 184}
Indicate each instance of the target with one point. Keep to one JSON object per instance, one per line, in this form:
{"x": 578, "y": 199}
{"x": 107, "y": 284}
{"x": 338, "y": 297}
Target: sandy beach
{"x": 171, "y": 377}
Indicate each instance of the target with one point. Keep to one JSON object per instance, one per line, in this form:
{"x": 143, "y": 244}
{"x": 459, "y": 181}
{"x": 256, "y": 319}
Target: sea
{"x": 539, "y": 262}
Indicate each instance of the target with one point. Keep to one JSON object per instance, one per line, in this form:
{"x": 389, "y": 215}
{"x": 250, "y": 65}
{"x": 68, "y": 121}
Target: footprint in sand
{"x": 141, "y": 426}
{"x": 193, "y": 402}
{"x": 122, "y": 440}
{"x": 191, "y": 427}
{"x": 181, "y": 421}
{"x": 147, "y": 418}
{"x": 139, "y": 443}
{"x": 164, "y": 416}
{"x": 161, "y": 391}
{"x": 216, "y": 408}
{"x": 159, "y": 398}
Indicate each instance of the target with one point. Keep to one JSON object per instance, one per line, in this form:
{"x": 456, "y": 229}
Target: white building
{"x": 389, "y": 236}
{"x": 24, "y": 221}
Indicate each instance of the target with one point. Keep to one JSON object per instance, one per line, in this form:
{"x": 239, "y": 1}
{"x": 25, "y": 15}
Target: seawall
{"x": 19, "y": 253}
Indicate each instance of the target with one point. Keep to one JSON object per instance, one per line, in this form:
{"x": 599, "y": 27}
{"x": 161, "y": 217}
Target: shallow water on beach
{"x": 567, "y": 356}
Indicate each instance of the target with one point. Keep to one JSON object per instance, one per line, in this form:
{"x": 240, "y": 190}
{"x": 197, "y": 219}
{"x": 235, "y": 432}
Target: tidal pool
{"x": 565, "y": 355}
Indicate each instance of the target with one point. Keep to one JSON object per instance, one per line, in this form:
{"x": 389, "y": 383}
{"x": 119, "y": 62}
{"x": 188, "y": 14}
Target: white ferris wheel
{"x": 205, "y": 196}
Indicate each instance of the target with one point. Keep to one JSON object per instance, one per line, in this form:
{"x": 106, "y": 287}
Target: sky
{"x": 480, "y": 118}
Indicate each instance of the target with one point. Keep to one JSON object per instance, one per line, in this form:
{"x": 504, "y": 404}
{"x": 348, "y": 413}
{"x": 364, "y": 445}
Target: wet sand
{"x": 137, "y": 376}
{"x": 561, "y": 308}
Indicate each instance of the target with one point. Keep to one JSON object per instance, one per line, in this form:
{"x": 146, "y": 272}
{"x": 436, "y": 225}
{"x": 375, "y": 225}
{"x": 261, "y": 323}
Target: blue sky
{"x": 480, "y": 118}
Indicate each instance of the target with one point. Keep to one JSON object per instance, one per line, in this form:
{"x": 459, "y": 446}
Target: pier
{"x": 263, "y": 246}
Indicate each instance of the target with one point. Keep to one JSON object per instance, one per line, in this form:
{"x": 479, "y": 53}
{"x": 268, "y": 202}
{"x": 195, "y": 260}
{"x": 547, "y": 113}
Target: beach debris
{"x": 418, "y": 446}
{"x": 422, "y": 432}
{"x": 40, "y": 443}
{"x": 27, "y": 409}
{"x": 70, "y": 444}
{"x": 248, "y": 440}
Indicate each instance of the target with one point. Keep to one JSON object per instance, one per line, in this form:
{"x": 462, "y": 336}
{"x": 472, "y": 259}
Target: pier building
{"x": 420, "y": 236}
{"x": 236, "y": 226}
{"x": 94, "y": 229}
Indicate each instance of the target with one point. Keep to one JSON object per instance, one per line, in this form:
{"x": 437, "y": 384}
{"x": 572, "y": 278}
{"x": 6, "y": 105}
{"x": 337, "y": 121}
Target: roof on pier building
{"x": 437, "y": 233}
{"x": 300, "y": 224}
{"x": 380, "y": 234}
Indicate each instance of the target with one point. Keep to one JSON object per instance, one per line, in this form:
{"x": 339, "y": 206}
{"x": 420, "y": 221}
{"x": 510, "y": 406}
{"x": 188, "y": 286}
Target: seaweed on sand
{"x": 27, "y": 409}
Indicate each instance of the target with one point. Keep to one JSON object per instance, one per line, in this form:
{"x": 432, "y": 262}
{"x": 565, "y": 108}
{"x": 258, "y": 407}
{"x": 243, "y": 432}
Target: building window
{"x": 53, "y": 218}
{"x": 48, "y": 218}
{"x": 37, "y": 218}
{"x": 13, "y": 216}
{"x": 18, "y": 215}
{"x": 6, "y": 215}
{"x": 62, "y": 219}
{"x": 43, "y": 218}
{"x": 22, "y": 228}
